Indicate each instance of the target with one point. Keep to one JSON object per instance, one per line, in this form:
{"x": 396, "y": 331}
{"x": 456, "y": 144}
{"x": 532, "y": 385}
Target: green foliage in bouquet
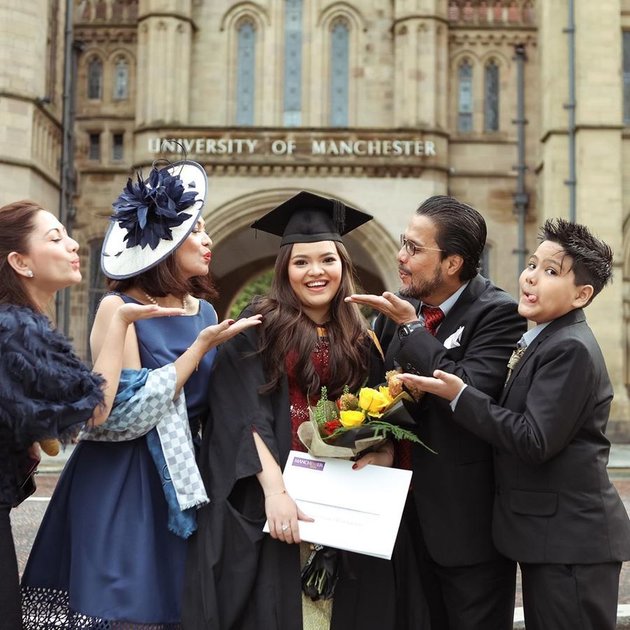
{"x": 372, "y": 413}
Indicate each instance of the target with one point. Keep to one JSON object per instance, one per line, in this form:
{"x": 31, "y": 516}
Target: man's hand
{"x": 442, "y": 384}
{"x": 383, "y": 455}
{"x": 397, "y": 309}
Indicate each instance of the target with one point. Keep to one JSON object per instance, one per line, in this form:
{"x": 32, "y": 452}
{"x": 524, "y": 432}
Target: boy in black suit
{"x": 555, "y": 510}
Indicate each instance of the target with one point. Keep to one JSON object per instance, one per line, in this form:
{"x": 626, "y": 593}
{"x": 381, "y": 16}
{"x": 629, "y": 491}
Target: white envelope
{"x": 355, "y": 510}
{"x": 453, "y": 340}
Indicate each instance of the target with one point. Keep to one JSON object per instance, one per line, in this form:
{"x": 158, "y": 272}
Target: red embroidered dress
{"x": 298, "y": 401}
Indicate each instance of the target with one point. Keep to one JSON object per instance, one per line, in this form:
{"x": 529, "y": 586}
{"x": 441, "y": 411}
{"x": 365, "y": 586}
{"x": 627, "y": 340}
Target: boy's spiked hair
{"x": 592, "y": 258}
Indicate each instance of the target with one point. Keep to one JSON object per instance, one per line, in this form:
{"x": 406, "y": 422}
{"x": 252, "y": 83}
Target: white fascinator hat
{"x": 152, "y": 217}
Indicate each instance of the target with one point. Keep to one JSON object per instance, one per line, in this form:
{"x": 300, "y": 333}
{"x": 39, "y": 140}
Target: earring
{"x": 29, "y": 273}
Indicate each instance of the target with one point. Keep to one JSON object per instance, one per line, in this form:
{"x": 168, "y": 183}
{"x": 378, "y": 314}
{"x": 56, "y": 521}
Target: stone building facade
{"x": 380, "y": 104}
{"x": 31, "y": 85}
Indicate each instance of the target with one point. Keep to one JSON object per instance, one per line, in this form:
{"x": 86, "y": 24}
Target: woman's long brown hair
{"x": 17, "y": 223}
{"x": 286, "y": 328}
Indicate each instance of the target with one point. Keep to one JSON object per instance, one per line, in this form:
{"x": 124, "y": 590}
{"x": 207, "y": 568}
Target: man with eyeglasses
{"x": 449, "y": 317}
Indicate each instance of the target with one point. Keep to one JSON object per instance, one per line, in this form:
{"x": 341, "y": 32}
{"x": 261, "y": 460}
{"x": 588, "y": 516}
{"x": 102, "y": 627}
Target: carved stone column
{"x": 420, "y": 32}
{"x": 165, "y": 30}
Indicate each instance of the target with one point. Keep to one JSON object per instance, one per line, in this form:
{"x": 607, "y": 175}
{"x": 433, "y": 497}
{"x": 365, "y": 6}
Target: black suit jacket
{"x": 454, "y": 489}
{"x": 554, "y": 501}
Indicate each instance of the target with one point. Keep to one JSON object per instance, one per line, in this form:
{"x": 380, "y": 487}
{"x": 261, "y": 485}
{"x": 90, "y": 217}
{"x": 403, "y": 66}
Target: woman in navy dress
{"x": 45, "y": 390}
{"x": 112, "y": 545}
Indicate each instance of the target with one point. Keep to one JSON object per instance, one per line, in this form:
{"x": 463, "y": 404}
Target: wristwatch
{"x": 406, "y": 329}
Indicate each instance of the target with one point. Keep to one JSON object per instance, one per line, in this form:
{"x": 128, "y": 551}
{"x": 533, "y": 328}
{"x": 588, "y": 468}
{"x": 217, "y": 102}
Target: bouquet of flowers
{"x": 355, "y": 422}
{"x": 343, "y": 428}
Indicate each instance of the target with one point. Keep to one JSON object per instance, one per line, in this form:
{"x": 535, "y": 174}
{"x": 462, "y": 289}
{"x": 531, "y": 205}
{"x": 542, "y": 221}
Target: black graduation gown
{"x": 237, "y": 577}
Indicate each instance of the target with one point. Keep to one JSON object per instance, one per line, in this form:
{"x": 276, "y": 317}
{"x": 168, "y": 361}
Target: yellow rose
{"x": 385, "y": 392}
{"x": 372, "y": 401}
{"x": 351, "y": 418}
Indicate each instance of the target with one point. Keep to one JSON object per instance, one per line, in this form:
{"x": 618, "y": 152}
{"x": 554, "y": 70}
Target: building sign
{"x": 296, "y": 146}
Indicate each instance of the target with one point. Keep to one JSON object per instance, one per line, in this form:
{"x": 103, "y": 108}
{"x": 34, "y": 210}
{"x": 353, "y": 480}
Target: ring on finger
{"x": 284, "y": 527}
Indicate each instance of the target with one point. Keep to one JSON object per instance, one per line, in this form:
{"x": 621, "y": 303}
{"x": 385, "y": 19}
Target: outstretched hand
{"x": 219, "y": 333}
{"x": 130, "y": 312}
{"x": 442, "y": 384}
{"x": 397, "y": 309}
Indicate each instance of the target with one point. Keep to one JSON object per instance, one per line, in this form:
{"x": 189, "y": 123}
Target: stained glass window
{"x": 245, "y": 69}
{"x": 121, "y": 80}
{"x": 293, "y": 63}
{"x": 465, "y": 101}
{"x": 339, "y": 74}
{"x": 95, "y": 78}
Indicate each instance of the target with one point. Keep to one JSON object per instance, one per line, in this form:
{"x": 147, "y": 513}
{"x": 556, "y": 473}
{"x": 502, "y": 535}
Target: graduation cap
{"x": 309, "y": 218}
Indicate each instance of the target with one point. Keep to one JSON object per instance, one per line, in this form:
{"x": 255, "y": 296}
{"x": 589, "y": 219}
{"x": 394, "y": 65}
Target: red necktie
{"x": 433, "y": 316}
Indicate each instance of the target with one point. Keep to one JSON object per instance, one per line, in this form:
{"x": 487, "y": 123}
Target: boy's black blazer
{"x": 454, "y": 489}
{"x": 554, "y": 501}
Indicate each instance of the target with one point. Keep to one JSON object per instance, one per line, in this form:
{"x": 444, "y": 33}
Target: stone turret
{"x": 165, "y": 29}
{"x": 420, "y": 32}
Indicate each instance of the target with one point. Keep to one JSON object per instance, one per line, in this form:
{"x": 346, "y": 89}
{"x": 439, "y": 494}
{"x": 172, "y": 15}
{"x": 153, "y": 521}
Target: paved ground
{"x": 27, "y": 517}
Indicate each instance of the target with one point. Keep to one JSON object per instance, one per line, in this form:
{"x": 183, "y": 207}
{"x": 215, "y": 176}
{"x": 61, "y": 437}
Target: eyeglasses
{"x": 412, "y": 249}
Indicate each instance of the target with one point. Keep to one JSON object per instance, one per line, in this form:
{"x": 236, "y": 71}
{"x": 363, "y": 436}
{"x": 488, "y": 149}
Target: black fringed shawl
{"x": 45, "y": 389}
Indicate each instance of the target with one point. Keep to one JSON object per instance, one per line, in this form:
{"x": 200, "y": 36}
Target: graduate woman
{"x": 45, "y": 390}
{"x": 111, "y": 550}
{"x": 239, "y": 578}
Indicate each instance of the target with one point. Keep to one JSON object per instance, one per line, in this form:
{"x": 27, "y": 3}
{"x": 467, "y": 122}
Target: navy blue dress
{"x": 103, "y": 552}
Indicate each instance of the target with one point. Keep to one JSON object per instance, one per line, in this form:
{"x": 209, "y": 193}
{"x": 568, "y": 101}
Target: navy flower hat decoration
{"x": 149, "y": 212}
{"x": 152, "y": 218}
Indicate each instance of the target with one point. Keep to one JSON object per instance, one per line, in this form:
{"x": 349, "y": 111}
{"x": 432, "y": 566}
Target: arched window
{"x": 245, "y": 73}
{"x": 95, "y": 78}
{"x": 465, "y": 98}
{"x": 117, "y": 11}
{"x": 101, "y": 10}
{"x": 132, "y": 14}
{"x": 121, "y": 80}
{"x": 339, "y": 73}
{"x": 85, "y": 11}
{"x": 293, "y": 63}
{"x": 491, "y": 101}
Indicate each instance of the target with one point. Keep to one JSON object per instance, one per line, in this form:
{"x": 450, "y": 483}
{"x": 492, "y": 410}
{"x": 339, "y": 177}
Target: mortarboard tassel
{"x": 339, "y": 215}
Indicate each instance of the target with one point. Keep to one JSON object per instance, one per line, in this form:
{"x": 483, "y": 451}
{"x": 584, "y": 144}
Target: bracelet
{"x": 275, "y": 494}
